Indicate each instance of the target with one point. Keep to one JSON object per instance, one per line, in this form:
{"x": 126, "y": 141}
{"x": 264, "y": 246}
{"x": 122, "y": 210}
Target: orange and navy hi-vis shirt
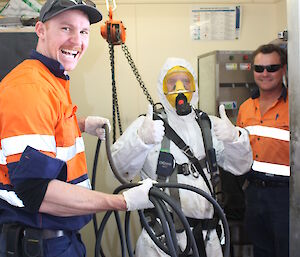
{"x": 269, "y": 136}
{"x": 37, "y": 118}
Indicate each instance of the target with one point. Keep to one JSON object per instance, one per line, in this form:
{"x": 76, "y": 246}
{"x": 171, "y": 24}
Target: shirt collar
{"x": 54, "y": 66}
{"x": 283, "y": 94}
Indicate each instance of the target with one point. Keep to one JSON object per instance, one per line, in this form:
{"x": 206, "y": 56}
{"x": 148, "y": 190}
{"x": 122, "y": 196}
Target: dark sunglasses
{"x": 269, "y": 68}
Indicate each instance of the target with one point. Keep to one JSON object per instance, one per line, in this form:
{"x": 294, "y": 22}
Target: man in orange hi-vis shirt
{"x": 45, "y": 196}
{"x": 266, "y": 116}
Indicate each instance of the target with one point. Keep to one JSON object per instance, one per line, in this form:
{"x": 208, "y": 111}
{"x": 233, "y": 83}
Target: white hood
{"x": 169, "y": 64}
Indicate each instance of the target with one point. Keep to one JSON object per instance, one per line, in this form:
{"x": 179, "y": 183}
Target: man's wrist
{"x": 81, "y": 124}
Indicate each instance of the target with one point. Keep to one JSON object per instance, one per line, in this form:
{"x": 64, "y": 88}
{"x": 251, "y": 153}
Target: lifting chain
{"x": 114, "y": 33}
{"x": 115, "y": 103}
{"x": 136, "y": 73}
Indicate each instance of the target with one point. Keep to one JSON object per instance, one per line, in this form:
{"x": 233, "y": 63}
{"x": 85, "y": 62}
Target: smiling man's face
{"x": 64, "y": 37}
{"x": 269, "y": 81}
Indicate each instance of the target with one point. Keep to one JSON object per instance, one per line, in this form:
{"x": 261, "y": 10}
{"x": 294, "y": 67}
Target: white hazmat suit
{"x": 132, "y": 157}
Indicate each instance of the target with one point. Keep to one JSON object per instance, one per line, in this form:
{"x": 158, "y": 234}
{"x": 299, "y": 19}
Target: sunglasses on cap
{"x": 67, "y": 3}
{"x": 269, "y": 68}
{"x": 85, "y": 2}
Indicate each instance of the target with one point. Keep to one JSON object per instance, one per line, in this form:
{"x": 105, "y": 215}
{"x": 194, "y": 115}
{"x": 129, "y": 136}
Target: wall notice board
{"x": 14, "y": 48}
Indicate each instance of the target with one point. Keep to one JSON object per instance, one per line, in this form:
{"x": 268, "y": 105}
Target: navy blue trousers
{"x": 64, "y": 246}
{"x": 267, "y": 220}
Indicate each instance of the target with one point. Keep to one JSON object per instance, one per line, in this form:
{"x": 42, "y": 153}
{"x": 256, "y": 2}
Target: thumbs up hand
{"x": 151, "y": 131}
{"x": 224, "y": 130}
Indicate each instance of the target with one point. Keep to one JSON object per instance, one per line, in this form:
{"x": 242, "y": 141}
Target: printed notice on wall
{"x": 216, "y": 23}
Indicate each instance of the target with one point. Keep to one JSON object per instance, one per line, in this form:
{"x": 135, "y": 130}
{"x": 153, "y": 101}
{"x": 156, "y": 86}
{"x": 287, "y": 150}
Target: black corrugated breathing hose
{"x": 158, "y": 198}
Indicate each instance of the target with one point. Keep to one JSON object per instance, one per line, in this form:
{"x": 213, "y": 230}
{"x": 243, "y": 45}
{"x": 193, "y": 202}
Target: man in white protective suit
{"x": 139, "y": 151}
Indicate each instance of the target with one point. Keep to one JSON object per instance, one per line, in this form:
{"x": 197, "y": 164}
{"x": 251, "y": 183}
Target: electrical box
{"x": 225, "y": 77}
{"x": 14, "y": 48}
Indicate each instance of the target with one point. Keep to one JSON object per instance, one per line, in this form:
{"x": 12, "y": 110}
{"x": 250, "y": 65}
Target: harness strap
{"x": 197, "y": 232}
{"x": 206, "y": 224}
{"x": 174, "y": 193}
{"x": 172, "y": 135}
{"x": 205, "y": 125}
{"x": 209, "y": 162}
{"x": 198, "y": 226}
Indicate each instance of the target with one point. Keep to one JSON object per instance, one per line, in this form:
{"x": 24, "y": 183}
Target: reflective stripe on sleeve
{"x": 67, "y": 153}
{"x": 271, "y": 168}
{"x": 17, "y": 144}
{"x": 86, "y": 183}
{"x": 11, "y": 198}
{"x": 2, "y": 158}
{"x": 275, "y": 133}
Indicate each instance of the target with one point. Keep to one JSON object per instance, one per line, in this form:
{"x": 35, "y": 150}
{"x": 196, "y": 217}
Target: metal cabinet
{"x": 224, "y": 77}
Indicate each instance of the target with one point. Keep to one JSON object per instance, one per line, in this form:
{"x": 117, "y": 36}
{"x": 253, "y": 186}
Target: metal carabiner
{"x": 194, "y": 171}
{"x": 185, "y": 169}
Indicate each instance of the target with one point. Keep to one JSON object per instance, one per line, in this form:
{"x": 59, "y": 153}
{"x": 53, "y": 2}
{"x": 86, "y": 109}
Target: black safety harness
{"x": 167, "y": 169}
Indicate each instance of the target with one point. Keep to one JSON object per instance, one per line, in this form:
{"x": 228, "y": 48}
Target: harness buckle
{"x": 187, "y": 151}
{"x": 185, "y": 169}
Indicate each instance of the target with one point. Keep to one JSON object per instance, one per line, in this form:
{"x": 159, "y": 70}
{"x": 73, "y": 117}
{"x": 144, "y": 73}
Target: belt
{"x": 267, "y": 183}
{"x": 45, "y": 233}
{"x": 206, "y": 224}
{"x": 48, "y": 233}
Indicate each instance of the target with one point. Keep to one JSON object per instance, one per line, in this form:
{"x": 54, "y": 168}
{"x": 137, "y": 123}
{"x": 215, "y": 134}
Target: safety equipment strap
{"x": 173, "y": 136}
{"x": 205, "y": 125}
{"x": 209, "y": 162}
{"x": 197, "y": 232}
{"x": 174, "y": 192}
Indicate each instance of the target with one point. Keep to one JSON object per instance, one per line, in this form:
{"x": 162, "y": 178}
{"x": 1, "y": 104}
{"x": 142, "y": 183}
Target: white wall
{"x": 154, "y": 32}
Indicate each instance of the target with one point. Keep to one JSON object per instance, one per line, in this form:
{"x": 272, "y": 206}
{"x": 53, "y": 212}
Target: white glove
{"x": 224, "y": 130}
{"x": 94, "y": 126}
{"x": 151, "y": 131}
{"x": 137, "y": 198}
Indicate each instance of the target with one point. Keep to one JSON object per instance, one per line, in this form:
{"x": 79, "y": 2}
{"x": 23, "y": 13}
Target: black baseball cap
{"x": 54, "y": 7}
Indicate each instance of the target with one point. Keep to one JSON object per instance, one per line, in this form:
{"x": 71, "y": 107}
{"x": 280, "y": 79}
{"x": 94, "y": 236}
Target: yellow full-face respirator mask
{"x": 178, "y": 87}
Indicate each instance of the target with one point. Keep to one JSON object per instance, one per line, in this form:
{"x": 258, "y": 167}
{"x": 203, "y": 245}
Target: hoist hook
{"x": 113, "y": 4}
